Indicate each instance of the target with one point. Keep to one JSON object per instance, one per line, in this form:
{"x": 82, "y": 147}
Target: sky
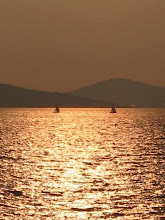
{"x": 60, "y": 45}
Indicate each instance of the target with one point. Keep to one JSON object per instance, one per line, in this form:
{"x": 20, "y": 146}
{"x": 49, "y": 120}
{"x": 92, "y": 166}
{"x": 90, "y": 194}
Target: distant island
{"x": 124, "y": 93}
{"x": 12, "y": 96}
{"x": 121, "y": 92}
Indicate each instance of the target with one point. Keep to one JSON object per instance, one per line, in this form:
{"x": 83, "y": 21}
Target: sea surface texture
{"x": 82, "y": 164}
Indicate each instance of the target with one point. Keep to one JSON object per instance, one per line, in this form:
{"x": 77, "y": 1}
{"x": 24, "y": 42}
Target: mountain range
{"x": 121, "y": 92}
{"x": 12, "y": 96}
{"x": 124, "y": 93}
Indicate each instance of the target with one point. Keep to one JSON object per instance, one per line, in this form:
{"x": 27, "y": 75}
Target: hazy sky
{"x": 59, "y": 45}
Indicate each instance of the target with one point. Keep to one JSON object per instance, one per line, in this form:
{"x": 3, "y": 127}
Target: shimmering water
{"x": 82, "y": 164}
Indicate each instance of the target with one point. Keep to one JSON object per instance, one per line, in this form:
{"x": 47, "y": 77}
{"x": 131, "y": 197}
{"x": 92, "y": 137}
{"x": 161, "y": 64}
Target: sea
{"x": 82, "y": 163}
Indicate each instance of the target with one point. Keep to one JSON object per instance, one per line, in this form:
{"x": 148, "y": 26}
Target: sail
{"x": 57, "y": 110}
{"x": 113, "y": 110}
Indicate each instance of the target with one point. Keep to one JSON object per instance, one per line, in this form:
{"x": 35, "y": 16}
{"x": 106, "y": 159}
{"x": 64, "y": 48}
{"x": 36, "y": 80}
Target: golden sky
{"x": 60, "y": 45}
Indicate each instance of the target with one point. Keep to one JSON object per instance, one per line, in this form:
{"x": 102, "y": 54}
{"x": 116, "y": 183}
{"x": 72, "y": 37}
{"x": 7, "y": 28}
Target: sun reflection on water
{"x": 82, "y": 164}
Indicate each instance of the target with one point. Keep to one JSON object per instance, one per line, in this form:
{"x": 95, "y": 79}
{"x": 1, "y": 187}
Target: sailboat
{"x": 57, "y": 110}
{"x": 113, "y": 110}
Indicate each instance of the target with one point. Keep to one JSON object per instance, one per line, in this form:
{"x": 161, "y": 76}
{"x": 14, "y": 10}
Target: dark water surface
{"x": 82, "y": 164}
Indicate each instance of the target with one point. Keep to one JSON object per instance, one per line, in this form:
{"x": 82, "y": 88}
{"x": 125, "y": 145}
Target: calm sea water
{"x": 82, "y": 164}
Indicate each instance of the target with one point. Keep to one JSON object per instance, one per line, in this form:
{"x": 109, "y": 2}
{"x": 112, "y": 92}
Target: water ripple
{"x": 82, "y": 164}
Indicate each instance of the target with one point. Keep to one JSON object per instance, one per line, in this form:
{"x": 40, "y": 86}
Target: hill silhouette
{"x": 124, "y": 92}
{"x": 12, "y": 96}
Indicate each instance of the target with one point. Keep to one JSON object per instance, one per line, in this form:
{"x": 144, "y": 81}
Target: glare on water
{"x": 82, "y": 164}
